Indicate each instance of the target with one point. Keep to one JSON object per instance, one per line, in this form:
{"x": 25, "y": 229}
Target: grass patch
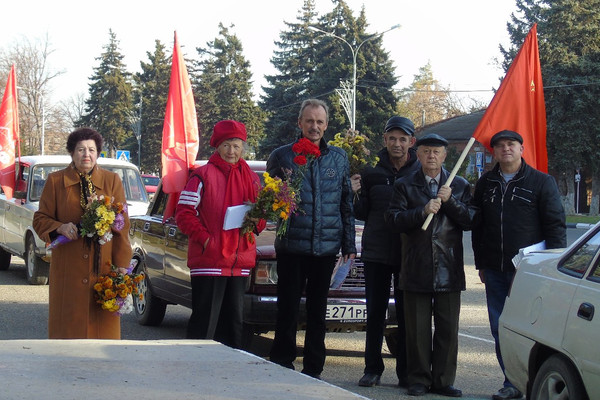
{"x": 582, "y": 219}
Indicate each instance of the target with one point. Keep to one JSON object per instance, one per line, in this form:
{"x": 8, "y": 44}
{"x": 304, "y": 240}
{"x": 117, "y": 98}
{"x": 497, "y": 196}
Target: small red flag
{"x": 519, "y": 106}
{"x": 9, "y": 134}
{"x": 180, "y": 131}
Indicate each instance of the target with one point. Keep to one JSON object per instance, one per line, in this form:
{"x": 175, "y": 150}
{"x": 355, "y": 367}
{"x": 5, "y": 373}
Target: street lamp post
{"x": 354, "y": 51}
{"x": 43, "y": 114}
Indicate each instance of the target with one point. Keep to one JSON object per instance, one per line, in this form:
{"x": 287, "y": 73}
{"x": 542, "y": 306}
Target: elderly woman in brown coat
{"x": 75, "y": 266}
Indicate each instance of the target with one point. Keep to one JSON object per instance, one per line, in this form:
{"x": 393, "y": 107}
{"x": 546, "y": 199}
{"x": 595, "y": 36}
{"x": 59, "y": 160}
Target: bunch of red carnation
{"x": 305, "y": 150}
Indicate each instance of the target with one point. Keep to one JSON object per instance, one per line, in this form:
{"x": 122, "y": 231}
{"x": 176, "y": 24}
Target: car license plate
{"x": 346, "y": 312}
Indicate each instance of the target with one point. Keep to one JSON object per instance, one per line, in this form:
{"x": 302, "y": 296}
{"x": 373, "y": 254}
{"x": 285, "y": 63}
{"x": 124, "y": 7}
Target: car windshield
{"x": 151, "y": 180}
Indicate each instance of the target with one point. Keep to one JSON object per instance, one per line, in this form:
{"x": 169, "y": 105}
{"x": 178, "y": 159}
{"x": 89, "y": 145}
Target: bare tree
{"x": 427, "y": 101}
{"x": 33, "y": 77}
{"x": 73, "y": 109}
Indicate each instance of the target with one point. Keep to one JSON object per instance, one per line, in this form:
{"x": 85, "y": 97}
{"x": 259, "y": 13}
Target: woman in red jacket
{"x": 219, "y": 260}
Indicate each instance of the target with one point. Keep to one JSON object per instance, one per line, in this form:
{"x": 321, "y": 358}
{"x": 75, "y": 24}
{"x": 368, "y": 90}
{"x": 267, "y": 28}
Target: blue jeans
{"x": 497, "y": 285}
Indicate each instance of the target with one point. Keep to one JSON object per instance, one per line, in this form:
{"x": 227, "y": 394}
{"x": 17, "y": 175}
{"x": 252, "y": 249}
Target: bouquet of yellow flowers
{"x": 115, "y": 290}
{"x": 280, "y": 198}
{"x": 277, "y": 199}
{"x": 101, "y": 215}
{"x": 354, "y": 144}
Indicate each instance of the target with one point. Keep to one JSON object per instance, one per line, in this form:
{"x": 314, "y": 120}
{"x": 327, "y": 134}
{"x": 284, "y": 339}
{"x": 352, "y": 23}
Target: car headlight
{"x": 266, "y": 272}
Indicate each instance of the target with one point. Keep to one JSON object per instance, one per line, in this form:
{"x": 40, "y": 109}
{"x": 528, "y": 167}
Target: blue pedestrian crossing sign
{"x": 123, "y": 155}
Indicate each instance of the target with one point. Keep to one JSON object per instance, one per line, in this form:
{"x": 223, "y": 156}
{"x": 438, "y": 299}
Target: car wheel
{"x": 557, "y": 379}
{"x": 149, "y": 309}
{"x": 37, "y": 269}
{"x": 4, "y": 259}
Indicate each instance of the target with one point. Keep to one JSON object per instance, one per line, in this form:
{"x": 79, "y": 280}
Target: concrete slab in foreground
{"x": 157, "y": 369}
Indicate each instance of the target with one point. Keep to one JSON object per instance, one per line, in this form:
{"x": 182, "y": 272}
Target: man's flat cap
{"x": 432, "y": 139}
{"x": 511, "y": 135}
{"x": 400, "y": 123}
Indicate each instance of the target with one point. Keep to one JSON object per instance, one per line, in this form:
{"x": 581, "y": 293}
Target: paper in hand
{"x": 234, "y": 216}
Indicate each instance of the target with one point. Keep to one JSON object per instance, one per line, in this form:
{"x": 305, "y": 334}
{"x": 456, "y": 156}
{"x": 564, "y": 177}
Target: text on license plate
{"x": 346, "y": 312}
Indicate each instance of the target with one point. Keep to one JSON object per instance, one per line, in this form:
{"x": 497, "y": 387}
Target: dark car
{"x": 160, "y": 251}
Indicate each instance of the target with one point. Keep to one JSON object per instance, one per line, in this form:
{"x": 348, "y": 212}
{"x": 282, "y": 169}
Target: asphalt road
{"x": 23, "y": 315}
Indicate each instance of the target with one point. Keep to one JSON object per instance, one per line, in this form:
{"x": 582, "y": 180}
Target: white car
{"x": 17, "y": 236}
{"x": 549, "y": 333}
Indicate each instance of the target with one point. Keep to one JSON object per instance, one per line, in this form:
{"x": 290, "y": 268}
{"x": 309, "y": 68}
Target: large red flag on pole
{"x": 180, "y": 131}
{"x": 9, "y": 134}
{"x": 519, "y": 106}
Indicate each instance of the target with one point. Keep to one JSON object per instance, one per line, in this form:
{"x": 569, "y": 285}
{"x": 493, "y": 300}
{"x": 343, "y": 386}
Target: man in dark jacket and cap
{"x": 381, "y": 243}
{"x": 432, "y": 275}
{"x": 520, "y": 206}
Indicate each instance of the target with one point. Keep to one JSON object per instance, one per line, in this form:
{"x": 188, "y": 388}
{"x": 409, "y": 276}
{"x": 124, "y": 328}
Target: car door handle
{"x": 586, "y": 311}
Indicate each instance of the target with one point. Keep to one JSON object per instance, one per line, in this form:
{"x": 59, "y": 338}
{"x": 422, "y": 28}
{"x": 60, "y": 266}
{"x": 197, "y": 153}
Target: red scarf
{"x": 239, "y": 190}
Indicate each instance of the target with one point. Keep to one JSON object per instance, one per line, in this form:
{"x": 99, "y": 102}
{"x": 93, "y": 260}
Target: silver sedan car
{"x": 549, "y": 333}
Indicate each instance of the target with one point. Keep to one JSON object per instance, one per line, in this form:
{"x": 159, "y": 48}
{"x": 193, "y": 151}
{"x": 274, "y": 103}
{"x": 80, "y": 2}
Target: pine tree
{"x": 110, "y": 102}
{"x": 153, "y": 88}
{"x": 294, "y": 60}
{"x": 375, "y": 79}
{"x": 312, "y": 64}
{"x": 569, "y": 42}
{"x": 223, "y": 88}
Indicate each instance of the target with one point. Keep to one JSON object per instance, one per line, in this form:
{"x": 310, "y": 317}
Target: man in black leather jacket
{"x": 432, "y": 275}
{"x": 520, "y": 206}
{"x": 381, "y": 243}
{"x": 306, "y": 253}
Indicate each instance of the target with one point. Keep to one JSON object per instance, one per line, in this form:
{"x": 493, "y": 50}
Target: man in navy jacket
{"x": 307, "y": 252}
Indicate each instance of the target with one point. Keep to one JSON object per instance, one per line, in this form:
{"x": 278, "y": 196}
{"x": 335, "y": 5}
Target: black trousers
{"x": 297, "y": 273}
{"x": 431, "y": 361}
{"x": 378, "y": 279}
{"x": 217, "y": 309}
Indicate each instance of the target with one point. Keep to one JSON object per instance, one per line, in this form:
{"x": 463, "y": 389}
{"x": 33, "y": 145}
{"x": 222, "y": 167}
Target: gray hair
{"x": 314, "y": 103}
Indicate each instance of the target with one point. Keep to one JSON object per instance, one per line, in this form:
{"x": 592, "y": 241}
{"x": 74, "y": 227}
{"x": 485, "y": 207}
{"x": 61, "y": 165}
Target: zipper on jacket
{"x": 504, "y": 190}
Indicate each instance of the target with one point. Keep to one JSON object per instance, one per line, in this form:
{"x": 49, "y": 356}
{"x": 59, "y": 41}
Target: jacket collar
{"x": 384, "y": 159}
{"x": 323, "y": 146}
{"x": 522, "y": 170}
{"x": 421, "y": 181}
{"x": 72, "y": 177}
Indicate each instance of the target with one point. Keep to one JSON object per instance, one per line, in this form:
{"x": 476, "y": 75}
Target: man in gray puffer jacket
{"x": 306, "y": 253}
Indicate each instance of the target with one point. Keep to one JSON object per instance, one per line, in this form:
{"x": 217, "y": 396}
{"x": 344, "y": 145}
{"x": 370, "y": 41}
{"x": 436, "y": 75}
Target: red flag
{"x": 180, "y": 131}
{"x": 9, "y": 134}
{"x": 519, "y": 106}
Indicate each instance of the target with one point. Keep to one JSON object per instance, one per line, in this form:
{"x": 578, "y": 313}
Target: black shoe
{"x": 369, "y": 380}
{"x": 312, "y": 374}
{"x": 449, "y": 391}
{"x": 508, "y": 392}
{"x": 417, "y": 389}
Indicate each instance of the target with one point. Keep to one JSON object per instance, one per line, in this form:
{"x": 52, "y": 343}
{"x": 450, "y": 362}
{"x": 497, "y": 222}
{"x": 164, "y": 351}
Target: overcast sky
{"x": 460, "y": 38}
